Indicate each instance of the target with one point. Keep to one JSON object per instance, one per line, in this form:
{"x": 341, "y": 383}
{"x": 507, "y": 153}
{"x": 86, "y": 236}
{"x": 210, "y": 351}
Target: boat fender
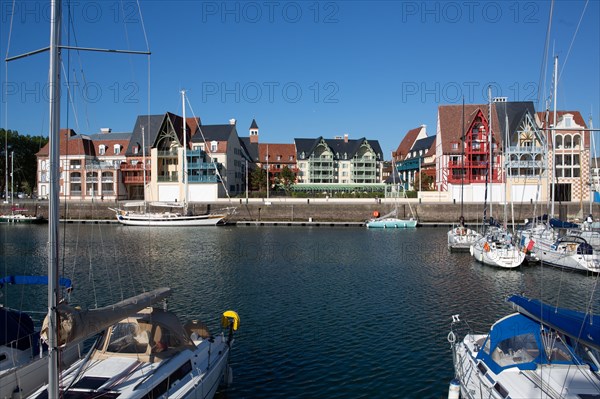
{"x": 376, "y": 214}
{"x": 229, "y": 376}
{"x": 229, "y": 317}
{"x": 454, "y": 389}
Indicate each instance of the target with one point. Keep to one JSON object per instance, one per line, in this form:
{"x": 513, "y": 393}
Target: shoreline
{"x": 311, "y": 211}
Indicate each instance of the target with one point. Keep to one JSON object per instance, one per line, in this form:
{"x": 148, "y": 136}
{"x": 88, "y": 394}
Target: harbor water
{"x": 325, "y": 312}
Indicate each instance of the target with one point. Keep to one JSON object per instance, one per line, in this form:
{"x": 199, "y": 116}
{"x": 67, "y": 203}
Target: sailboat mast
{"x": 462, "y": 160}
{"x": 144, "y": 165}
{"x": 554, "y": 138}
{"x": 491, "y": 146}
{"x": 53, "y": 209}
{"x": 592, "y": 151}
{"x": 185, "y": 176}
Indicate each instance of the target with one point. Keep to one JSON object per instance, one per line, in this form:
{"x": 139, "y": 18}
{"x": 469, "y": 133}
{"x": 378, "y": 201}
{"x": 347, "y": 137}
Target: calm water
{"x": 325, "y": 312}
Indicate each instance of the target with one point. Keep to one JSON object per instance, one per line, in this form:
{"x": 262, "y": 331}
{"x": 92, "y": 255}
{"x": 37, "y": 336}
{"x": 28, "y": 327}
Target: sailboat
{"x": 169, "y": 218}
{"x": 460, "y": 238}
{"x": 183, "y": 362}
{"x": 540, "y": 351}
{"x": 391, "y": 219}
{"x": 572, "y": 250}
{"x": 496, "y": 247}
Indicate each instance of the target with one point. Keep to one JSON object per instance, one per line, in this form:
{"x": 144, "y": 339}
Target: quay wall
{"x": 326, "y": 210}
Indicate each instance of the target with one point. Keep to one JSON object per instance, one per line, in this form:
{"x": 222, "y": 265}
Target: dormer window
{"x": 455, "y": 146}
{"x": 136, "y": 149}
{"x": 117, "y": 149}
{"x": 101, "y": 149}
{"x": 213, "y": 146}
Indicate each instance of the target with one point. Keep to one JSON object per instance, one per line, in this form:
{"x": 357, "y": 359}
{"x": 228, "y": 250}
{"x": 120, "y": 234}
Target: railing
{"x": 203, "y": 179}
{"x": 168, "y": 154}
{"x": 138, "y": 166}
{"x": 202, "y": 165}
{"x": 168, "y": 178}
{"x": 135, "y": 179}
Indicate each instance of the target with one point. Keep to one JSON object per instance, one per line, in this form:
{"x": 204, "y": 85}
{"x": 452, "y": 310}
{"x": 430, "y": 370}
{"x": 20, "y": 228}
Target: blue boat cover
{"x": 561, "y": 224}
{"x": 33, "y": 280}
{"x": 580, "y": 326}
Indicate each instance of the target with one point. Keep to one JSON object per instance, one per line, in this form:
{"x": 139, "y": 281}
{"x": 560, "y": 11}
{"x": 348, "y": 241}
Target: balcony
{"x": 173, "y": 177}
{"x": 137, "y": 167}
{"x": 168, "y": 154}
{"x": 203, "y": 179}
{"x": 202, "y": 166}
{"x": 135, "y": 179}
{"x": 101, "y": 166}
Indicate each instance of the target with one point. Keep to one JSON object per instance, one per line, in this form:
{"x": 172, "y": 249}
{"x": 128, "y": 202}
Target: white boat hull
{"x": 391, "y": 223}
{"x": 168, "y": 219}
{"x": 461, "y": 238}
{"x": 566, "y": 258}
{"x": 506, "y": 256}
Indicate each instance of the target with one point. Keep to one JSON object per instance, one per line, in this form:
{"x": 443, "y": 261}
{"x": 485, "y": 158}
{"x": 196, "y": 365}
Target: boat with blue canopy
{"x": 528, "y": 357}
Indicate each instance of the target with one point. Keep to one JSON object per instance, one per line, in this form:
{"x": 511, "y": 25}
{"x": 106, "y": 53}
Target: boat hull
{"x": 460, "y": 239}
{"x": 507, "y": 257}
{"x": 549, "y": 254}
{"x": 169, "y": 220}
{"x": 391, "y": 223}
{"x": 22, "y": 219}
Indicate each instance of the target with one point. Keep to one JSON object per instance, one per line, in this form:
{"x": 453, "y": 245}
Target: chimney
{"x": 345, "y": 137}
{"x": 105, "y": 130}
{"x": 232, "y": 121}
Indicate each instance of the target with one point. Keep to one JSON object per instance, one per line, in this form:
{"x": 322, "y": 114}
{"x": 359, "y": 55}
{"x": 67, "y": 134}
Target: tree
{"x": 286, "y": 178}
{"x": 258, "y": 179}
{"x": 24, "y": 149}
{"x": 423, "y": 182}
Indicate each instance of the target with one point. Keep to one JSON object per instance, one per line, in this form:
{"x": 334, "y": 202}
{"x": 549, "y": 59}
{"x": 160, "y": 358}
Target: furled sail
{"x": 578, "y": 325}
{"x": 76, "y": 324}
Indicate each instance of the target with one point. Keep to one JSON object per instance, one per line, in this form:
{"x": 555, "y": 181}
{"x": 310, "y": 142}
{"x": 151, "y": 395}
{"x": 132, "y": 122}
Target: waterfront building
{"x": 89, "y": 166}
{"x": 569, "y": 156}
{"x": 340, "y": 161}
{"x": 415, "y": 154}
{"x": 482, "y": 147}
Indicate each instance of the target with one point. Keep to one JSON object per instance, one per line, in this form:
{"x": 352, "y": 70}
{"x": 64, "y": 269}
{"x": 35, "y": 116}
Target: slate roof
{"x": 253, "y": 125}
{"x": 214, "y": 133}
{"x": 423, "y": 144}
{"x": 515, "y": 112}
{"x": 250, "y": 148}
{"x": 338, "y": 146}
{"x": 152, "y": 125}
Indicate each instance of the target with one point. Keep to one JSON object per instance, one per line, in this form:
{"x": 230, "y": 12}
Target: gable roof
{"x": 151, "y": 125}
{"x": 423, "y": 144}
{"x": 407, "y": 143}
{"x": 449, "y": 123}
{"x": 250, "y": 148}
{"x": 214, "y": 133}
{"x": 514, "y": 112}
{"x": 253, "y": 125}
{"x": 577, "y": 118}
{"x": 338, "y": 146}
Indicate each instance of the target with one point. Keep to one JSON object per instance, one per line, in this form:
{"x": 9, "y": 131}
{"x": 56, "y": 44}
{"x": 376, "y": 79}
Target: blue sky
{"x": 302, "y": 69}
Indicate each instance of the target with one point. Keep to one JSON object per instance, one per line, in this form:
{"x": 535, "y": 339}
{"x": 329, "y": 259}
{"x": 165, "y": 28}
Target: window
{"x": 136, "y": 149}
{"x": 455, "y": 146}
{"x": 213, "y": 146}
{"x": 102, "y": 149}
{"x": 291, "y": 157}
{"x": 117, "y": 149}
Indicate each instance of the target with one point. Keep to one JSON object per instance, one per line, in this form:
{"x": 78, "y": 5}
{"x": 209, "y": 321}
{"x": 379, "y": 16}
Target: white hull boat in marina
{"x": 540, "y": 352}
{"x": 496, "y": 249}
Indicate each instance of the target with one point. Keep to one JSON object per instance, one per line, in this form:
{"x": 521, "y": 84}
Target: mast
{"x": 185, "y": 176}
{"x": 463, "y": 169}
{"x": 268, "y": 182}
{"x": 491, "y": 146}
{"x": 592, "y": 151}
{"x": 144, "y": 165}
{"x": 12, "y": 181}
{"x": 553, "y": 139}
{"x": 53, "y": 210}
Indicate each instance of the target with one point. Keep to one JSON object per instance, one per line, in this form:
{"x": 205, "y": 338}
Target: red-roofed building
{"x": 90, "y": 166}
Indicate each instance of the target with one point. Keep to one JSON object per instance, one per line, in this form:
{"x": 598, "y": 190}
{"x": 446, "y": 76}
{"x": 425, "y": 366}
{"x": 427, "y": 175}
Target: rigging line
{"x": 70, "y": 97}
{"x": 573, "y": 39}
{"x": 542, "y": 79}
{"x": 143, "y": 26}
{"x": 12, "y": 17}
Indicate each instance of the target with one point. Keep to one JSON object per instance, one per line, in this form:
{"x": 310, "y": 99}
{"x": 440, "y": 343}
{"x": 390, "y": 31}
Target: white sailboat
{"x": 391, "y": 219}
{"x": 539, "y": 352}
{"x": 184, "y": 362}
{"x": 572, "y": 250}
{"x": 496, "y": 247}
{"x": 17, "y": 214}
{"x": 177, "y": 213}
{"x": 460, "y": 238}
